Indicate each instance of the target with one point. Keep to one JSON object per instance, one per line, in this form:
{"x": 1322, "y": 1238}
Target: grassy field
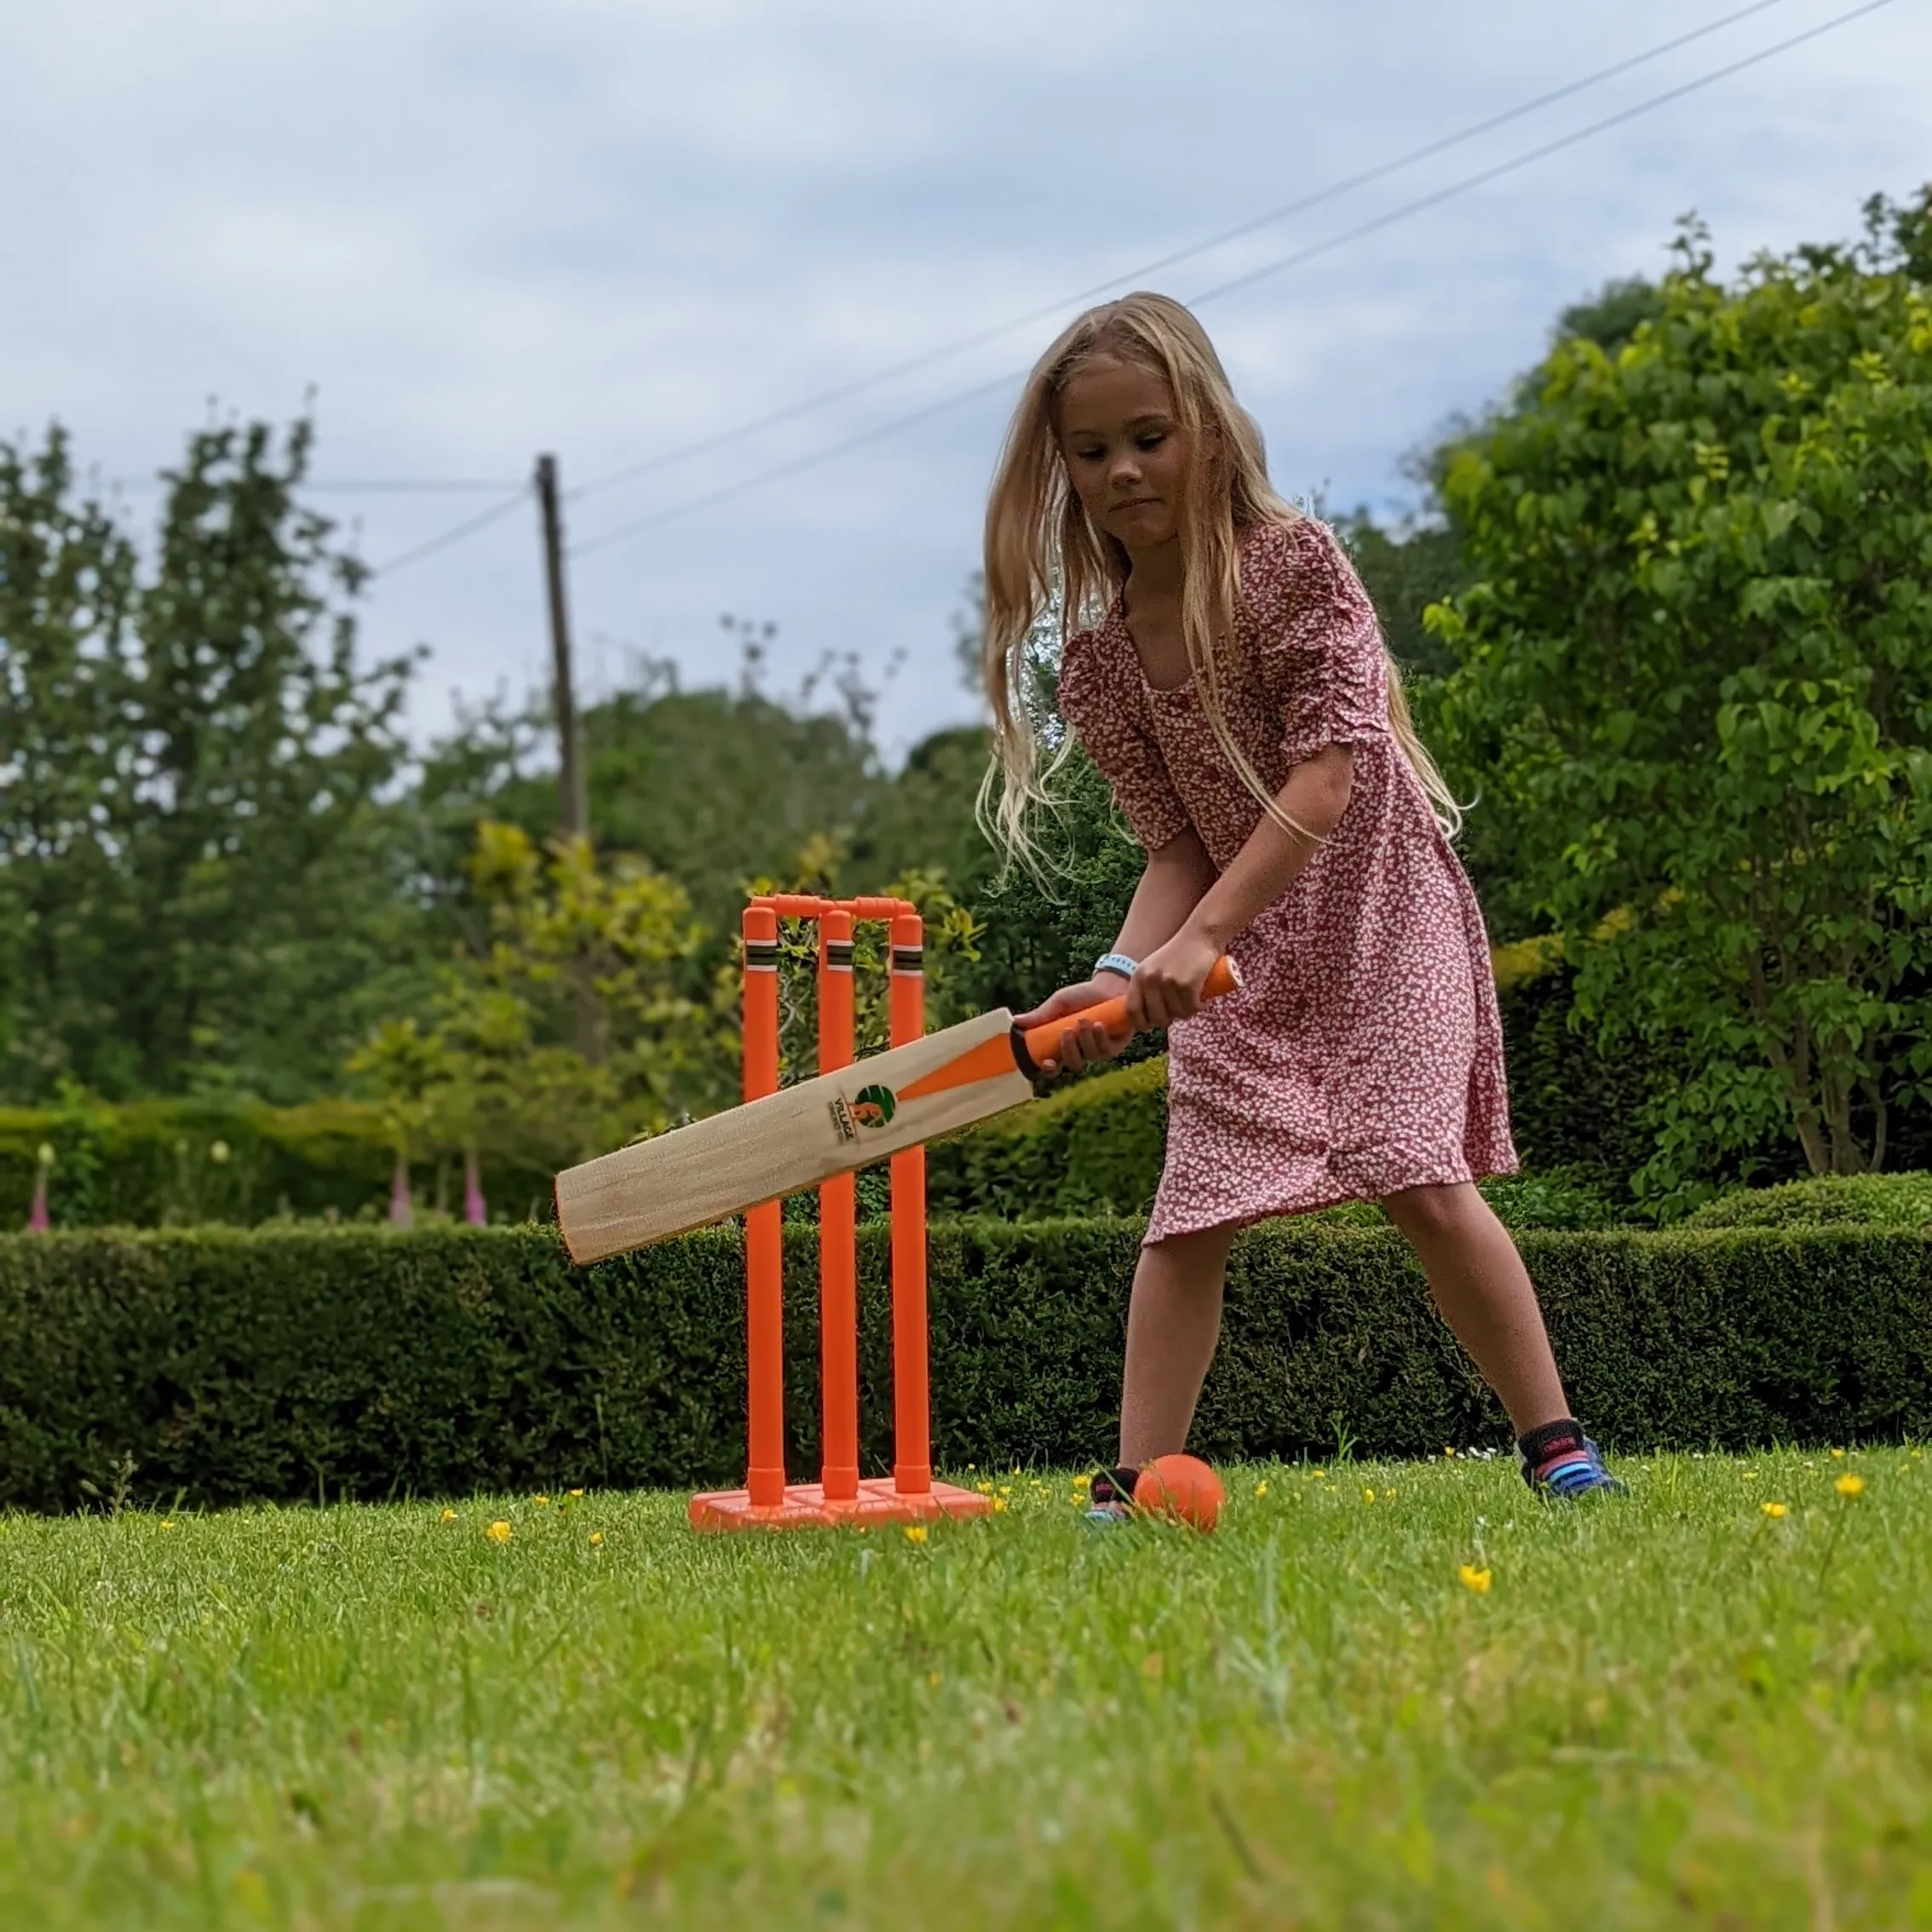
{"x": 1379, "y": 1696}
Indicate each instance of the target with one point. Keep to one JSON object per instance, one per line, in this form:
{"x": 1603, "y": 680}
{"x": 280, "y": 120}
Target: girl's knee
{"x": 1429, "y": 1213}
{"x": 1201, "y": 1253}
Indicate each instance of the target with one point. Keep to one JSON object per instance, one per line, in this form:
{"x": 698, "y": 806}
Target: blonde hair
{"x": 1041, "y": 549}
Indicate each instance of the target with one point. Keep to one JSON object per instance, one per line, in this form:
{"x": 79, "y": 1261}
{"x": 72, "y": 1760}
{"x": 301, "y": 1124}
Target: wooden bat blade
{"x": 788, "y": 1140}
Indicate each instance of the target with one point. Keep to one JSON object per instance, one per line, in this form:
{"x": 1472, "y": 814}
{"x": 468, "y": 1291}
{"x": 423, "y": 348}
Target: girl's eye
{"x": 1152, "y": 440}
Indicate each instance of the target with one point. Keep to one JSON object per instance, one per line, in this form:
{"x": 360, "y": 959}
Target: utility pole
{"x": 572, "y": 792}
{"x": 572, "y": 789}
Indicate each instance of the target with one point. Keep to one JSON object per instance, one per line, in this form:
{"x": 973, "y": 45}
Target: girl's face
{"x": 1124, "y": 450}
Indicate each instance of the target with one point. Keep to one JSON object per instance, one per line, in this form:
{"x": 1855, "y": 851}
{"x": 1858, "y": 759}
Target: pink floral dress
{"x": 1364, "y": 1054}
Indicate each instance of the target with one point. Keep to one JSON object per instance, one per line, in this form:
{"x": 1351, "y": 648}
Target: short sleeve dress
{"x": 1364, "y": 1054}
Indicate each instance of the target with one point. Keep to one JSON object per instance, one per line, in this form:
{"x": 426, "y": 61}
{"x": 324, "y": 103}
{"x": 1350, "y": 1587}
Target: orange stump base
{"x": 805, "y": 1507}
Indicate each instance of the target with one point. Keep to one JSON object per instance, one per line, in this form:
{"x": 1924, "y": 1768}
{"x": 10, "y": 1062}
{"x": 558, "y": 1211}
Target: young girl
{"x": 1239, "y": 698}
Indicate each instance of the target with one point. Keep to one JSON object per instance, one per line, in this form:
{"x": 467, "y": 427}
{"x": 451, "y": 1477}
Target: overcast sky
{"x": 609, "y": 228}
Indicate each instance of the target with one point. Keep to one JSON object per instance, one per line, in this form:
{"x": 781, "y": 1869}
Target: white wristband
{"x": 1117, "y": 963}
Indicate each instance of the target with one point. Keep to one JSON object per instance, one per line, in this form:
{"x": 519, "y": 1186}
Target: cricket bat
{"x": 801, "y": 1135}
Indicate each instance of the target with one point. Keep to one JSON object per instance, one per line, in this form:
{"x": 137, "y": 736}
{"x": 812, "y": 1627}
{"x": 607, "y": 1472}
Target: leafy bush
{"x": 1867, "y": 1201}
{"x": 289, "y": 1364}
{"x": 1691, "y": 667}
{"x": 1571, "y": 1106}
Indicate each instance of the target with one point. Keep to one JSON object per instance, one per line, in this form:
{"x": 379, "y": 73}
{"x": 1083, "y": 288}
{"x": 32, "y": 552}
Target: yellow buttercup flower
{"x": 915, "y": 1533}
{"x": 596, "y": 1540}
{"x": 499, "y": 1532}
{"x": 448, "y": 1517}
{"x": 1368, "y": 1496}
{"x": 1475, "y": 1580}
{"x": 542, "y": 1502}
{"x": 166, "y": 1526}
{"x": 1849, "y": 1486}
{"x": 1774, "y": 1510}
{"x": 575, "y": 1493}
{"x": 1837, "y": 1451}
{"x": 999, "y": 1505}
{"x": 1261, "y": 1489}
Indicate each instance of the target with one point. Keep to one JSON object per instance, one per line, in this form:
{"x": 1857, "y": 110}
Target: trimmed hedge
{"x": 293, "y": 1364}
{"x": 1861, "y": 1200}
{"x": 153, "y": 1164}
{"x": 1092, "y": 1148}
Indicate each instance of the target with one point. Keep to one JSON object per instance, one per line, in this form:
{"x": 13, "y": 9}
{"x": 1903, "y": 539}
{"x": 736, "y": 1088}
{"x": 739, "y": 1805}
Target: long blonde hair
{"x": 1041, "y": 549}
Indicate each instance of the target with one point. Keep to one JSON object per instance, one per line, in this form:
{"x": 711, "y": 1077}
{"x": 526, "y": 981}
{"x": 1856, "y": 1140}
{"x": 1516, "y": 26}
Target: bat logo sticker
{"x": 875, "y": 1106}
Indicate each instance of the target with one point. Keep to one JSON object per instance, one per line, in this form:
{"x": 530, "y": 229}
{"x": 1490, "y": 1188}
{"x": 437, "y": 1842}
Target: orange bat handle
{"x": 1039, "y": 1044}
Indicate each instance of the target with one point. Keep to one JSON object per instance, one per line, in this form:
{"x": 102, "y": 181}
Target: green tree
{"x": 1696, "y": 667}
{"x": 195, "y": 828}
{"x": 524, "y": 1079}
{"x": 713, "y": 786}
{"x": 67, "y": 587}
{"x": 922, "y": 818}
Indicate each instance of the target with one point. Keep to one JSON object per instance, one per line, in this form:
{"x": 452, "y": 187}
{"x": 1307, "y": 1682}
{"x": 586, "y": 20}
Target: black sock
{"x": 1540, "y": 1444}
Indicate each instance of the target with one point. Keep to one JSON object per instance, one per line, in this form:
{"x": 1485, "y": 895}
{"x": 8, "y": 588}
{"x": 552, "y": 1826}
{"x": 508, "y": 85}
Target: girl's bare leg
{"x": 1173, "y": 1323}
{"x": 1484, "y": 1291}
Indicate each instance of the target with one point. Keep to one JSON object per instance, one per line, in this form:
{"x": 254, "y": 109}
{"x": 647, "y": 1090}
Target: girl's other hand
{"x": 1082, "y": 1043}
{"x": 1168, "y": 987}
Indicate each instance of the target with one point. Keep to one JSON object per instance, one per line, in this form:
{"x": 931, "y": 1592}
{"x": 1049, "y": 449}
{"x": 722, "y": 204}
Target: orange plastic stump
{"x": 841, "y": 1495}
{"x": 805, "y": 1507}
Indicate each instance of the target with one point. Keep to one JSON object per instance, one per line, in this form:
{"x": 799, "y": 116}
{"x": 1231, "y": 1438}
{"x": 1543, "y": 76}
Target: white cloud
{"x": 607, "y": 228}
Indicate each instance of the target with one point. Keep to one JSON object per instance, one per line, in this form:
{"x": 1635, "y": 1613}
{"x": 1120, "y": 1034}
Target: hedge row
{"x": 293, "y": 1364}
{"x": 1095, "y": 1147}
{"x": 154, "y": 1164}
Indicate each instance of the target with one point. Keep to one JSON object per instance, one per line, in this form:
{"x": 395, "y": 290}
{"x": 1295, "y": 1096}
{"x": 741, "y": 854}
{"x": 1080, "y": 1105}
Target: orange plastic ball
{"x": 1183, "y": 1486}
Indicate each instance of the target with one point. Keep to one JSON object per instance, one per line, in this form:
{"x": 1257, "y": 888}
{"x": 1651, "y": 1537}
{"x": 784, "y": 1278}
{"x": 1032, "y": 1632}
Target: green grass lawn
{"x": 1378, "y": 1696}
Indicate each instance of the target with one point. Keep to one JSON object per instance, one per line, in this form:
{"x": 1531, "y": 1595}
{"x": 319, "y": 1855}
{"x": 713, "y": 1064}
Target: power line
{"x": 370, "y": 486}
{"x": 426, "y": 486}
{"x": 456, "y": 535}
{"x": 927, "y": 358}
{"x": 890, "y": 428}
{"x": 1373, "y": 225}
{"x": 1424, "y": 203}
